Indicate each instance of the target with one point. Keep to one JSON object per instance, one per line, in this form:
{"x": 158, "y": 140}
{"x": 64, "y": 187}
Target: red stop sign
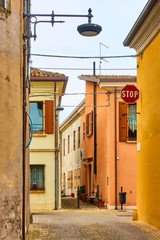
{"x": 130, "y": 94}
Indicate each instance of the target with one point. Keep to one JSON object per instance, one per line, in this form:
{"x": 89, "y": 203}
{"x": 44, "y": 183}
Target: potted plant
{"x": 34, "y": 185}
{"x": 101, "y": 202}
{"x": 83, "y": 193}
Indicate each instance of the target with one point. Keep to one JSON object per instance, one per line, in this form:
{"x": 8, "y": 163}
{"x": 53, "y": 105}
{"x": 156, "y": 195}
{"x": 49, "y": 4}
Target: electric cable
{"x": 81, "y": 57}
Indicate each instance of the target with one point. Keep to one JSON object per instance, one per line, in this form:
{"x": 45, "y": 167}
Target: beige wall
{"x": 11, "y": 122}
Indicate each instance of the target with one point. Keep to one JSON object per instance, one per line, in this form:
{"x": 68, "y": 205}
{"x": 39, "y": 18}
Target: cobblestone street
{"x": 89, "y": 222}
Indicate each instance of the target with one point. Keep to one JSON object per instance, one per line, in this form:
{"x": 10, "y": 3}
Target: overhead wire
{"x": 81, "y": 57}
{"x": 89, "y": 69}
{"x": 65, "y": 94}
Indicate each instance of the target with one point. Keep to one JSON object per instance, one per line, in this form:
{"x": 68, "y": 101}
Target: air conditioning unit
{"x": 82, "y": 153}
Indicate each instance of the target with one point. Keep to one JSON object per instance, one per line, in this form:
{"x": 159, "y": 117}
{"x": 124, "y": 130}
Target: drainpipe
{"x": 55, "y": 135}
{"x": 115, "y": 97}
{"x": 95, "y": 122}
{"x": 24, "y": 141}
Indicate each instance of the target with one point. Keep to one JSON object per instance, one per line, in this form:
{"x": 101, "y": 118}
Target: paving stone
{"x": 89, "y": 222}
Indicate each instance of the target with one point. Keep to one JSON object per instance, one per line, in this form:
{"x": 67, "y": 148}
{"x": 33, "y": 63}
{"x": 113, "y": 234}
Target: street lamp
{"x": 89, "y": 29}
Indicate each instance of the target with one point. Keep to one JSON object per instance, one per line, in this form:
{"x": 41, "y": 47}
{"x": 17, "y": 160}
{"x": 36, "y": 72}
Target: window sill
{"x": 39, "y": 135}
{"x": 37, "y": 191}
{"x": 131, "y": 141}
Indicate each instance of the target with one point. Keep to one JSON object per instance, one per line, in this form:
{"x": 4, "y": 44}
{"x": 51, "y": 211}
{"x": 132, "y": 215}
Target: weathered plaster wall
{"x": 148, "y": 164}
{"x": 11, "y": 123}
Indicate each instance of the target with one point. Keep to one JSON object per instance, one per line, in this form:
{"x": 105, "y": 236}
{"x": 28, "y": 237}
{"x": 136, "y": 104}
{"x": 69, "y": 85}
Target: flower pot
{"x": 83, "y": 196}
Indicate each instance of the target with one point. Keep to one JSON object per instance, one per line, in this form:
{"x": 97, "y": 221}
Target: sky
{"x": 116, "y": 18}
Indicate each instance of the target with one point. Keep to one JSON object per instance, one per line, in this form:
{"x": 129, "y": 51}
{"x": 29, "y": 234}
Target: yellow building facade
{"x": 44, "y": 150}
{"x": 144, "y": 37}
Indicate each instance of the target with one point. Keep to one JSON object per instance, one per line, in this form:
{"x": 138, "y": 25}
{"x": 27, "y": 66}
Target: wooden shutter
{"x": 87, "y": 124}
{"x": 48, "y": 116}
{"x": 91, "y": 122}
{"x": 75, "y": 178}
{"x": 68, "y": 179}
{"x": 122, "y": 122}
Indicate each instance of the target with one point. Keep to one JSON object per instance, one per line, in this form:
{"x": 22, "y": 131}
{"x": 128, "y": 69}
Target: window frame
{"x": 38, "y": 188}
{"x": 74, "y": 140}
{"x": 39, "y": 131}
{"x": 79, "y": 137}
{"x": 124, "y": 123}
{"x": 128, "y": 137}
{"x": 4, "y": 4}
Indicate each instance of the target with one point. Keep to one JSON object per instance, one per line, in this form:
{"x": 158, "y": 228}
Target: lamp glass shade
{"x": 89, "y": 29}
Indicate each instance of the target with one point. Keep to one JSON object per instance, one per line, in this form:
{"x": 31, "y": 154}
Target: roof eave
{"x": 148, "y": 7}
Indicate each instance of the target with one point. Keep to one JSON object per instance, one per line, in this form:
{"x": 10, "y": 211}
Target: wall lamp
{"x": 89, "y": 29}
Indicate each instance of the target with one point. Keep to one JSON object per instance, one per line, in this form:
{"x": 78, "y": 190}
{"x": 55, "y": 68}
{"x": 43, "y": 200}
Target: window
{"x": 63, "y": 147}
{"x": 70, "y": 179}
{"x": 127, "y": 122}
{"x": 36, "y": 112}
{"x": 132, "y": 122}
{"x": 37, "y": 177}
{"x": 5, "y": 3}
{"x": 76, "y": 177}
{"x": 79, "y": 137}
{"x": 68, "y": 144}
{"x": 89, "y": 123}
{"x": 84, "y": 132}
{"x": 74, "y": 140}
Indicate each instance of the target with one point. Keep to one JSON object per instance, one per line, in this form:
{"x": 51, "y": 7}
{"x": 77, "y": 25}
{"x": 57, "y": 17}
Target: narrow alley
{"x": 88, "y": 222}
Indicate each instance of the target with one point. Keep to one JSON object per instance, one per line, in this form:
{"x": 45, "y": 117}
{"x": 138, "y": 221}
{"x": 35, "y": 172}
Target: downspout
{"x": 115, "y": 97}
{"x": 55, "y": 135}
{"x": 24, "y": 142}
{"x": 95, "y": 122}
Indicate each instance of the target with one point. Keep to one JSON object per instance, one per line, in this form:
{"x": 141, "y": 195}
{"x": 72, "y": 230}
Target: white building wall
{"x": 71, "y": 160}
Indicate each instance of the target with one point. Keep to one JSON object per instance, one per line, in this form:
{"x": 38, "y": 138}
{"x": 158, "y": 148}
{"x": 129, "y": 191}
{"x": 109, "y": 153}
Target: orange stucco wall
{"x": 126, "y": 152}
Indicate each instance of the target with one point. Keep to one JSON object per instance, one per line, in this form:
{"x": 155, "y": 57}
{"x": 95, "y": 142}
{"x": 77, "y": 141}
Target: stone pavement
{"x": 89, "y": 222}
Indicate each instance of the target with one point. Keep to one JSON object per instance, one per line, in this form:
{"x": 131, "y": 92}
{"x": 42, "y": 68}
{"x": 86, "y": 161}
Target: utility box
{"x": 122, "y": 197}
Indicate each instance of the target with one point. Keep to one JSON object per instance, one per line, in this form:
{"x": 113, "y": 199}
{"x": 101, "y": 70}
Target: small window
{"x": 37, "y": 177}
{"x": 68, "y": 143}
{"x": 70, "y": 179}
{"x": 5, "y": 4}
{"x": 127, "y": 122}
{"x": 89, "y": 123}
{"x": 132, "y": 122}
{"x": 74, "y": 140}
{"x": 79, "y": 137}
{"x": 36, "y": 112}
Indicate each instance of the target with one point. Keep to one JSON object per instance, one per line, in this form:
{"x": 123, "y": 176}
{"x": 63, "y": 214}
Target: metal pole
{"x": 98, "y": 196}
{"x": 94, "y": 122}
{"x": 121, "y": 203}
{"x": 78, "y": 196}
{"x": 115, "y": 94}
